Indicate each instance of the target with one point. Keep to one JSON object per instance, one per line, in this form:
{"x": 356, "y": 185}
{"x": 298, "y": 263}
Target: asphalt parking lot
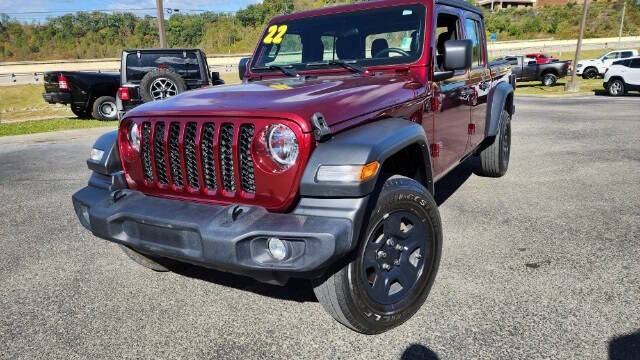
{"x": 542, "y": 263}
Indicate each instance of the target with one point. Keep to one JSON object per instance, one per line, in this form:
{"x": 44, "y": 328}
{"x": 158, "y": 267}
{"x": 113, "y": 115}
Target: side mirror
{"x": 215, "y": 78}
{"x": 242, "y": 67}
{"x": 457, "y": 56}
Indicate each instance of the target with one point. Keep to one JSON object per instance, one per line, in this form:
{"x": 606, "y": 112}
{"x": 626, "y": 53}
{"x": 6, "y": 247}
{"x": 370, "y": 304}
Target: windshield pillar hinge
{"x": 321, "y": 131}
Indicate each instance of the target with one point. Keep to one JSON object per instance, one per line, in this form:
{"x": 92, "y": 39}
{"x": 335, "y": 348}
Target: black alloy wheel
{"x": 394, "y": 258}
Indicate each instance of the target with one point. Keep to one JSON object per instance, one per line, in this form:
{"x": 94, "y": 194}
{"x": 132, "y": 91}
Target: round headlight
{"x": 134, "y": 136}
{"x": 283, "y": 145}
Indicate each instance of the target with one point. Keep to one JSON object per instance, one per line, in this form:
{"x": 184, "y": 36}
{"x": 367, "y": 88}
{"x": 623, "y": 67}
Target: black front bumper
{"x": 230, "y": 238}
{"x": 57, "y": 97}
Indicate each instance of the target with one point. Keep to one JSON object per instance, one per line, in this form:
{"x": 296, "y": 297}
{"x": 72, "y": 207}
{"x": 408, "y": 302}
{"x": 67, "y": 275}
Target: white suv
{"x": 623, "y": 76}
{"x": 589, "y": 69}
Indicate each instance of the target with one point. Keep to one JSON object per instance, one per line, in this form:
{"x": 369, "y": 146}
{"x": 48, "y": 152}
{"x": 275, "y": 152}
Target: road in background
{"x": 30, "y": 72}
{"x": 542, "y": 263}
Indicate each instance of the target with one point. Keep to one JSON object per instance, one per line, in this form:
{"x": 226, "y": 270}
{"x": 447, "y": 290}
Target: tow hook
{"x": 118, "y": 195}
{"x": 235, "y": 212}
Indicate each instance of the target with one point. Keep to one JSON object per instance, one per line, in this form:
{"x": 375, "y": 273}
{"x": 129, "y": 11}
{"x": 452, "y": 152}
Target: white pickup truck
{"x": 590, "y": 69}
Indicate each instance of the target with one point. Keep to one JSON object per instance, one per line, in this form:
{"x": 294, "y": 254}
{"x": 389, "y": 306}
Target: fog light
{"x": 83, "y": 214}
{"x": 96, "y": 155}
{"x": 277, "y": 248}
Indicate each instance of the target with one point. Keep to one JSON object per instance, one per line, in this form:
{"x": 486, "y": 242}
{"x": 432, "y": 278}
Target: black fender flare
{"x": 110, "y": 162}
{"x": 501, "y": 97}
{"x": 375, "y": 141}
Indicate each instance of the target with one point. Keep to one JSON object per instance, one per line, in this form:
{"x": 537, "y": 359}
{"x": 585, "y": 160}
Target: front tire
{"x": 590, "y": 73}
{"x": 154, "y": 263}
{"x": 395, "y": 264}
{"x": 494, "y": 160}
{"x": 104, "y": 109}
{"x": 616, "y": 88}
{"x": 80, "y": 113}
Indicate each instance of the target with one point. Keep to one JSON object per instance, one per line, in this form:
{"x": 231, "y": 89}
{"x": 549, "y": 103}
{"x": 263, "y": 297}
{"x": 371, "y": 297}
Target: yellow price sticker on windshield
{"x": 275, "y": 33}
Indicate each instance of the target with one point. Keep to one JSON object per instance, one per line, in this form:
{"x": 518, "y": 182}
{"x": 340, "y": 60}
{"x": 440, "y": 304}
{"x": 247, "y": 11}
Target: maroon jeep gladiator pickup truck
{"x": 321, "y": 164}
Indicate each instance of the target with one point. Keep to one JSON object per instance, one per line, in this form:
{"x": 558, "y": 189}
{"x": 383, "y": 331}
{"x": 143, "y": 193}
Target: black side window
{"x": 184, "y": 64}
{"x": 626, "y": 54}
{"x": 472, "y": 29}
{"x": 446, "y": 29}
{"x": 512, "y": 61}
{"x": 635, "y": 63}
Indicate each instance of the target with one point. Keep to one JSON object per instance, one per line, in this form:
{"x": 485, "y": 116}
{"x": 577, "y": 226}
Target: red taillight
{"x": 123, "y": 94}
{"x": 63, "y": 84}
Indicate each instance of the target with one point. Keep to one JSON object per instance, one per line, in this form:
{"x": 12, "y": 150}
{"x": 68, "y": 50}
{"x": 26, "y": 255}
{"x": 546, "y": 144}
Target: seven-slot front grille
{"x": 193, "y": 155}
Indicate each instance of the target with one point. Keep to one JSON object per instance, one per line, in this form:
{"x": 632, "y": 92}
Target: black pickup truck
{"x": 156, "y": 74}
{"x": 527, "y": 69}
{"x": 90, "y": 94}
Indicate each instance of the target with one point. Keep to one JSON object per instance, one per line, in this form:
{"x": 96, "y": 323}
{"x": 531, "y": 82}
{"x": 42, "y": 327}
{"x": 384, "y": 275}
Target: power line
{"x": 95, "y": 10}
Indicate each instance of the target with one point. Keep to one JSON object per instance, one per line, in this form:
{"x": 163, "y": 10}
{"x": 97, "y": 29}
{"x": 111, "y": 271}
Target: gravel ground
{"x": 542, "y": 263}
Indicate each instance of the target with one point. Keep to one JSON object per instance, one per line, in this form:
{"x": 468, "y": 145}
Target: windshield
{"x": 389, "y": 35}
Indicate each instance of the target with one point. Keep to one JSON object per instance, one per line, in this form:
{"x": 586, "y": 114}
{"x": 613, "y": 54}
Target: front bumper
{"x": 57, "y": 97}
{"x": 230, "y": 238}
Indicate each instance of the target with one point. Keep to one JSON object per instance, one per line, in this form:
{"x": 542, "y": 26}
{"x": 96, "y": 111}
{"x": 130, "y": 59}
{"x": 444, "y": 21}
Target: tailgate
{"x": 51, "y": 81}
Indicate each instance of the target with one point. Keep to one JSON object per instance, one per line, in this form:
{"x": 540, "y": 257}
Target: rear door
{"x": 479, "y": 80}
{"x": 633, "y": 77}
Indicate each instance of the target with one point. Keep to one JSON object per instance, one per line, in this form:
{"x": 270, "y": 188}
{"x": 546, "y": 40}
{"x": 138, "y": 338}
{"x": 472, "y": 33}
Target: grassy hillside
{"x": 563, "y": 21}
{"x": 98, "y": 35}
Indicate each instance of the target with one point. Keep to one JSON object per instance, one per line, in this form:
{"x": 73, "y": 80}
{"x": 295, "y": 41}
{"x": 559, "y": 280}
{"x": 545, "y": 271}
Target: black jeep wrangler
{"x": 156, "y": 74}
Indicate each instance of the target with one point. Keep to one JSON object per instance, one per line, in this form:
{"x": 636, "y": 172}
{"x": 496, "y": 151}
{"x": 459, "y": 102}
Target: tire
{"x": 549, "y": 79}
{"x": 590, "y": 73}
{"x": 616, "y": 88}
{"x": 105, "y": 109}
{"x": 80, "y": 113}
{"x": 350, "y": 294}
{"x": 160, "y": 84}
{"x": 494, "y": 160}
{"x": 154, "y": 263}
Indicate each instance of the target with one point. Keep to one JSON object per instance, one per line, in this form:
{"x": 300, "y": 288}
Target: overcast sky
{"x": 26, "y": 9}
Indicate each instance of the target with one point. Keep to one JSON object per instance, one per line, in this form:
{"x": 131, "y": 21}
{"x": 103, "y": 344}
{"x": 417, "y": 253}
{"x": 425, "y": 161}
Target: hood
{"x": 588, "y": 61}
{"x": 338, "y": 98}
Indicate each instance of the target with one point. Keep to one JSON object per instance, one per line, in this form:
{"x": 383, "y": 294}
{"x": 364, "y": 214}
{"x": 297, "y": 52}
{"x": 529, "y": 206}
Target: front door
{"x": 451, "y": 117}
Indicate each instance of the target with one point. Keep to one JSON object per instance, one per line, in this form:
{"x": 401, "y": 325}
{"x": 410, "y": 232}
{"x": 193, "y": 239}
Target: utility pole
{"x": 624, "y": 7}
{"x": 573, "y": 85}
{"x": 163, "y": 36}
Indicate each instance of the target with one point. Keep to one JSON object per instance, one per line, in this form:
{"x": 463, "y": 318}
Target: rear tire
{"x": 395, "y": 264}
{"x": 494, "y": 160}
{"x": 104, "y": 109}
{"x": 616, "y": 88}
{"x": 549, "y": 79}
{"x": 154, "y": 263}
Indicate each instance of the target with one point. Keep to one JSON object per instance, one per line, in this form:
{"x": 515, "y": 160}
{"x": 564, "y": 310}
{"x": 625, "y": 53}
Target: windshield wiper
{"x": 351, "y": 66}
{"x": 287, "y": 71}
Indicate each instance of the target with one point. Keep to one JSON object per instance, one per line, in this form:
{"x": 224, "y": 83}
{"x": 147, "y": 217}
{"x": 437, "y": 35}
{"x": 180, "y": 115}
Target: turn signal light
{"x": 123, "y": 94}
{"x": 347, "y": 173}
{"x": 369, "y": 171}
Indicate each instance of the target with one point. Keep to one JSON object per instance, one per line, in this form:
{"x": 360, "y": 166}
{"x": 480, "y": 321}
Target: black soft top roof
{"x": 461, "y": 4}
{"x": 162, "y": 50}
